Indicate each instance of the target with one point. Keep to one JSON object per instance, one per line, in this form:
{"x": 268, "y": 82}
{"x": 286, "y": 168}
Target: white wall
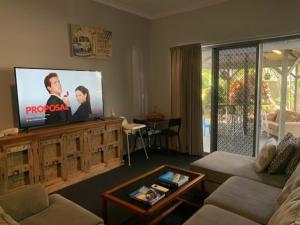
{"x": 230, "y": 21}
{"x": 35, "y": 33}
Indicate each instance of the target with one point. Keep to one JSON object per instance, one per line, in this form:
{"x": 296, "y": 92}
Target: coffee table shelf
{"x": 155, "y": 213}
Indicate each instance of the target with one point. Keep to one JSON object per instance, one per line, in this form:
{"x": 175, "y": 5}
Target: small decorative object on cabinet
{"x": 60, "y": 156}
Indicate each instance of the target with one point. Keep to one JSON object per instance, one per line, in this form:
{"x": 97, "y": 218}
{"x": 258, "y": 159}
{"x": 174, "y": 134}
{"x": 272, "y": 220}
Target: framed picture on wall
{"x": 90, "y": 42}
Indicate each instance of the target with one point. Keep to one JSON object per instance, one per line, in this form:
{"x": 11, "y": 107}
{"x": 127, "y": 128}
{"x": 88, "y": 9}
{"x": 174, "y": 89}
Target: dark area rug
{"x": 88, "y": 193}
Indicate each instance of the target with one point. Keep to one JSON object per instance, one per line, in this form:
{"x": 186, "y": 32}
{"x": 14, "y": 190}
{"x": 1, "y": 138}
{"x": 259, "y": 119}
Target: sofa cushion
{"x": 6, "y": 219}
{"x": 14, "y": 203}
{"x": 293, "y": 196}
{"x": 62, "y": 212}
{"x": 288, "y": 212}
{"x": 266, "y": 154}
{"x": 285, "y": 150}
{"x": 248, "y": 198}
{"x": 219, "y": 166}
{"x": 292, "y": 118}
{"x": 292, "y": 183}
{"x": 289, "y": 116}
{"x": 271, "y": 116}
{"x": 273, "y": 126}
{"x": 212, "y": 215}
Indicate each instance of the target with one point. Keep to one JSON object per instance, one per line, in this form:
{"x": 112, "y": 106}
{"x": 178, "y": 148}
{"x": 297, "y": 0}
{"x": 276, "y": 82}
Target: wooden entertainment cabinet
{"x": 60, "y": 156}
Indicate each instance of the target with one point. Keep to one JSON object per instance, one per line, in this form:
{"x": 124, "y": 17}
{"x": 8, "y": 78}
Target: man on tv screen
{"x": 57, "y": 109}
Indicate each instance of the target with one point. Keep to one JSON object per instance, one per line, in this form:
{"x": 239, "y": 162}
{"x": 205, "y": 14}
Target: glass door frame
{"x": 259, "y": 42}
{"x": 215, "y": 85}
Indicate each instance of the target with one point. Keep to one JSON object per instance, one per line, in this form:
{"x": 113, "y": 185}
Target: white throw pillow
{"x": 266, "y": 154}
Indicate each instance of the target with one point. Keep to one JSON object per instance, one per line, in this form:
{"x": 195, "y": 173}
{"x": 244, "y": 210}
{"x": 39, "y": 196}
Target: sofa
{"x": 31, "y": 205}
{"x": 219, "y": 166}
{"x": 270, "y": 122}
{"x": 240, "y": 196}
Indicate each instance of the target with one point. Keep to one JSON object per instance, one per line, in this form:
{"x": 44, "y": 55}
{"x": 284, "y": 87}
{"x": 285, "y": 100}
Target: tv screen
{"x": 56, "y": 96}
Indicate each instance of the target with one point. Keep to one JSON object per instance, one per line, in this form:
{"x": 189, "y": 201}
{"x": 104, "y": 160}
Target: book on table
{"x": 174, "y": 179}
{"x": 147, "y": 195}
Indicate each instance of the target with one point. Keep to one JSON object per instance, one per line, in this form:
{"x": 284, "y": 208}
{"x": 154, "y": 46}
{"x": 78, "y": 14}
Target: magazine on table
{"x": 147, "y": 195}
{"x": 174, "y": 179}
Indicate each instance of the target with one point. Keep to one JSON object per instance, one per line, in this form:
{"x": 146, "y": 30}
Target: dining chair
{"x": 172, "y": 130}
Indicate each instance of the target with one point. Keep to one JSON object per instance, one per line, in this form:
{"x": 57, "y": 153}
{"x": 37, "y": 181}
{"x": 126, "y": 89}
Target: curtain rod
{"x": 241, "y": 41}
{"x": 256, "y": 39}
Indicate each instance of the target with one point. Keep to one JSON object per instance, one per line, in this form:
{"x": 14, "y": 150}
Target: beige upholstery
{"x": 31, "y": 205}
{"x": 289, "y": 211}
{"x": 62, "y": 212}
{"x": 292, "y": 183}
{"x": 6, "y": 219}
{"x": 240, "y": 200}
{"x": 247, "y": 198}
{"x": 212, "y": 215}
{"x": 219, "y": 166}
{"x": 17, "y": 203}
{"x": 292, "y": 123}
{"x": 266, "y": 154}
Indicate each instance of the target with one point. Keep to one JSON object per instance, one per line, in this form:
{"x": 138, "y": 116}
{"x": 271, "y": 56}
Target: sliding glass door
{"x": 280, "y": 100}
{"x": 250, "y": 105}
{"x": 234, "y": 99}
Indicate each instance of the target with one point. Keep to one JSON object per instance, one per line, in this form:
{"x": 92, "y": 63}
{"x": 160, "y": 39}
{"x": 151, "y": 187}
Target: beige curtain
{"x": 186, "y": 96}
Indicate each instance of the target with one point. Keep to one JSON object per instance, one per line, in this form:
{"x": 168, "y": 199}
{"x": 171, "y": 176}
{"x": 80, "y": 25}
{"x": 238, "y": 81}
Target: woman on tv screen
{"x": 84, "y": 110}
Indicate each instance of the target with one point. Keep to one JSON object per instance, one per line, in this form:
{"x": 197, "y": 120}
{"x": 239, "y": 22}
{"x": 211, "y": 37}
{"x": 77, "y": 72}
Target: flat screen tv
{"x": 57, "y": 96}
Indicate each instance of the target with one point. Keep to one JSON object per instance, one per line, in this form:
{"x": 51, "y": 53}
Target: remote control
{"x": 160, "y": 188}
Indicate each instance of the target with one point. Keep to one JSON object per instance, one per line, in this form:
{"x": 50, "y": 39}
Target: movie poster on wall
{"x": 91, "y": 42}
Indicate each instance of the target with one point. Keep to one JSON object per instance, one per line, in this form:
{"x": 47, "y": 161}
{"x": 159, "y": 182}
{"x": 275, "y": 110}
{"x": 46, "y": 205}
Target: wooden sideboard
{"x": 60, "y": 156}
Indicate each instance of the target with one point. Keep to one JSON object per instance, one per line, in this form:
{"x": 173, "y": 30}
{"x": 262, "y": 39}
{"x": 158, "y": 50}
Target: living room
{"x": 136, "y": 80}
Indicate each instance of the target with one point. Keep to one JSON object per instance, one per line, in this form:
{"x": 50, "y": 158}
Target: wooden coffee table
{"x": 155, "y": 213}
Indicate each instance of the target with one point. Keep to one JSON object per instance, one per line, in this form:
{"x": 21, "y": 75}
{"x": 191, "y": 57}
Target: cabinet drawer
{"x": 97, "y": 131}
{"x": 52, "y": 173}
{"x": 73, "y": 143}
{"x": 14, "y": 171}
{"x": 45, "y": 142}
{"x": 113, "y": 127}
{"x": 19, "y": 180}
{"x": 17, "y": 148}
{"x": 74, "y": 165}
{"x": 96, "y": 158}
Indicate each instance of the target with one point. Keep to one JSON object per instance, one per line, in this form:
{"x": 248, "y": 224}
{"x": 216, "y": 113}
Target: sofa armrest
{"x": 25, "y": 202}
{"x": 293, "y": 127}
{"x": 57, "y": 199}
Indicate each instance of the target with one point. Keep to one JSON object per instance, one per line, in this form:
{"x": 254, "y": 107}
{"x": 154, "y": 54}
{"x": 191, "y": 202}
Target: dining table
{"x": 155, "y": 126}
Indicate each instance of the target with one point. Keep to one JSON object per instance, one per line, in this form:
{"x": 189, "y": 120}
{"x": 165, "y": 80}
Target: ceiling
{"x": 153, "y": 9}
